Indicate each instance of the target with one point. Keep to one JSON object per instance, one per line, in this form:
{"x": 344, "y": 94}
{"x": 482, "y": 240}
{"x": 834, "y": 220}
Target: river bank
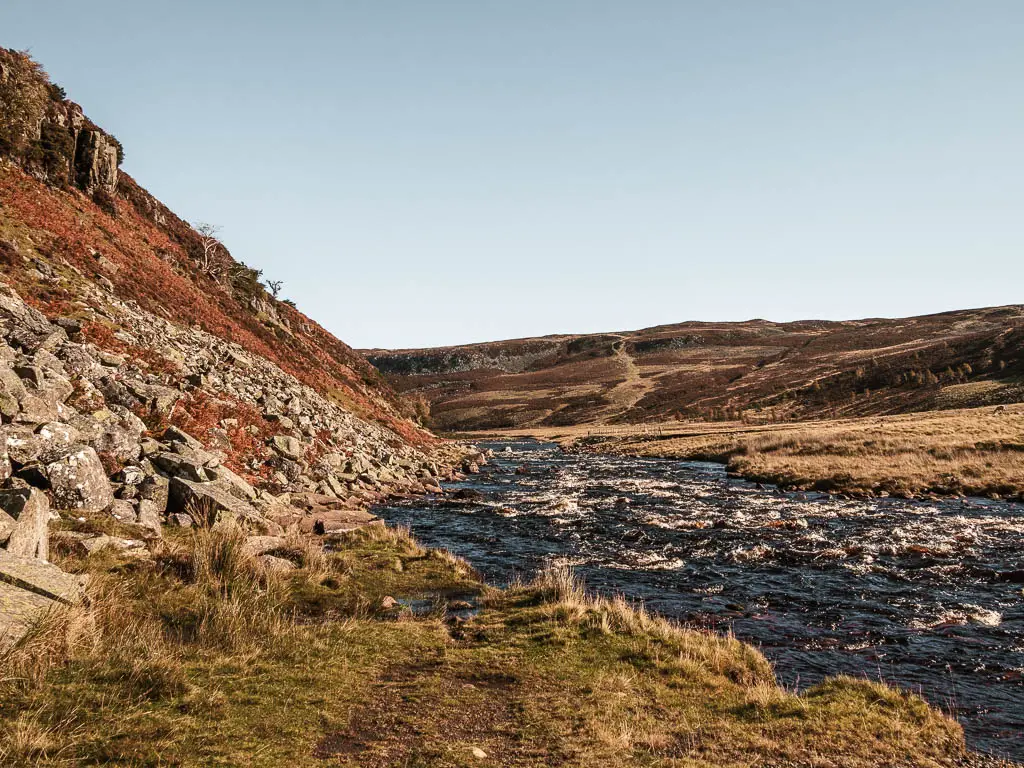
{"x": 380, "y": 652}
{"x": 964, "y": 452}
{"x": 922, "y": 594}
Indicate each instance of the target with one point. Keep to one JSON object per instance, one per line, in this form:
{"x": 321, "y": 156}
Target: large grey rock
{"x": 158, "y": 398}
{"x": 9, "y": 405}
{"x": 287, "y": 446}
{"x": 12, "y": 384}
{"x": 40, "y": 577}
{"x": 32, "y": 375}
{"x": 122, "y": 510}
{"x": 174, "y": 435}
{"x": 19, "y": 608}
{"x": 149, "y": 517}
{"x": 55, "y": 389}
{"x": 24, "y": 522}
{"x": 119, "y": 435}
{"x": 55, "y": 441}
{"x": 78, "y": 481}
{"x": 276, "y": 564}
{"x": 212, "y": 499}
{"x": 37, "y": 409}
{"x": 155, "y": 488}
{"x": 238, "y": 484}
{"x": 94, "y": 544}
{"x": 177, "y": 465}
{"x": 337, "y": 487}
{"x": 19, "y": 443}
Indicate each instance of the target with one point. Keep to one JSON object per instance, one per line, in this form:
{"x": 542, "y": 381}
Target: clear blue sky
{"x": 424, "y": 173}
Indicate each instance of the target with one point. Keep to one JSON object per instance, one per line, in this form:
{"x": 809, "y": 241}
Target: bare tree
{"x": 275, "y": 287}
{"x": 211, "y": 245}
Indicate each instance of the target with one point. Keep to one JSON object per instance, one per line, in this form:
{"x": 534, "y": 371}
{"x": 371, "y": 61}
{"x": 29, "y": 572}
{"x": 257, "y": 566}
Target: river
{"x": 924, "y": 595}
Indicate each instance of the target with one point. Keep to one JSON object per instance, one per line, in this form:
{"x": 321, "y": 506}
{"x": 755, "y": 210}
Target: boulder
{"x": 55, "y": 441}
{"x": 286, "y": 445}
{"x": 19, "y": 443}
{"x": 176, "y": 465}
{"x": 9, "y": 406}
{"x": 32, "y": 375}
{"x": 119, "y": 437}
{"x": 122, "y": 510}
{"x": 12, "y": 384}
{"x": 24, "y": 522}
{"x": 40, "y": 578}
{"x": 19, "y": 608}
{"x": 330, "y": 521}
{"x": 155, "y": 488}
{"x": 94, "y": 544}
{"x": 149, "y": 517}
{"x": 238, "y": 485}
{"x": 55, "y": 390}
{"x": 158, "y": 398}
{"x": 213, "y": 499}
{"x": 174, "y": 435}
{"x": 131, "y": 475}
{"x": 36, "y": 409}
{"x": 78, "y": 481}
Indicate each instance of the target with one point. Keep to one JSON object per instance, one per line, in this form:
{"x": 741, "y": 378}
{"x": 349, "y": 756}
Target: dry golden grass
{"x": 971, "y": 451}
{"x": 567, "y": 600}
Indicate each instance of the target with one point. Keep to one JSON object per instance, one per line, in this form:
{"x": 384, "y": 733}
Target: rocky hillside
{"x": 70, "y": 218}
{"x": 757, "y": 370}
{"x": 148, "y": 378}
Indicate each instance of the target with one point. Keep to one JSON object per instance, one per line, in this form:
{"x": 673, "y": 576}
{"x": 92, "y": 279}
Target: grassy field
{"x": 971, "y": 451}
{"x": 201, "y": 657}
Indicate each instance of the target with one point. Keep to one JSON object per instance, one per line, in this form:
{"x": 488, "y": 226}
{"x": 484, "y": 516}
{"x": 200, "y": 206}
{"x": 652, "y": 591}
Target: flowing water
{"x": 924, "y": 595}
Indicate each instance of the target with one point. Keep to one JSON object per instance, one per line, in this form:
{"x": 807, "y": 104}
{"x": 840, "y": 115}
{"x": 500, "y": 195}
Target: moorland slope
{"x": 757, "y": 370}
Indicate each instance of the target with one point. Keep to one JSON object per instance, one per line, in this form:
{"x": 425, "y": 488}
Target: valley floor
{"x": 201, "y": 656}
{"x": 972, "y": 451}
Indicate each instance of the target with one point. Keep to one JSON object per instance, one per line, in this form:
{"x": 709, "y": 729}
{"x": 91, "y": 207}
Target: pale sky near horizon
{"x": 427, "y": 173}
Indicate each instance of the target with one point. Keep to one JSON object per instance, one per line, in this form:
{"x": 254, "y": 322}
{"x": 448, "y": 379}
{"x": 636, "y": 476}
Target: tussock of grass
{"x": 566, "y": 600}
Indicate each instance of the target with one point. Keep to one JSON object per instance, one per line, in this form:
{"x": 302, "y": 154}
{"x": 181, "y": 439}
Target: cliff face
{"x": 757, "y": 370}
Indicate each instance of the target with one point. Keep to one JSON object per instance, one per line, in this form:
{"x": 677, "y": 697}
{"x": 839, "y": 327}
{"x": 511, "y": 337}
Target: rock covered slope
{"x": 143, "y": 384}
{"x": 69, "y": 218}
{"x": 757, "y": 370}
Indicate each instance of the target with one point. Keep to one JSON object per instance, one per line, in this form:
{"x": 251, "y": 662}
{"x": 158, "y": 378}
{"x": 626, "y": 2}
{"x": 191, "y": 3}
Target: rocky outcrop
{"x": 95, "y": 162}
{"x": 49, "y": 135}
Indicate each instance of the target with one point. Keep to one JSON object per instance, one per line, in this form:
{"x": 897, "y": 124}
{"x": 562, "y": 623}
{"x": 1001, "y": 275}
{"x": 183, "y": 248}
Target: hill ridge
{"x": 755, "y": 369}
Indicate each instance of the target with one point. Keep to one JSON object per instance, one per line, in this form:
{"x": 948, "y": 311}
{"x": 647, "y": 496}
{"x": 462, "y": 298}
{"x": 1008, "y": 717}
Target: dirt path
{"x": 628, "y": 393}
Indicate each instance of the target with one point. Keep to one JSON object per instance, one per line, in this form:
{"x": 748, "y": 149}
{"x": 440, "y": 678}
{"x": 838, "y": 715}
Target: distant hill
{"x": 755, "y": 370}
